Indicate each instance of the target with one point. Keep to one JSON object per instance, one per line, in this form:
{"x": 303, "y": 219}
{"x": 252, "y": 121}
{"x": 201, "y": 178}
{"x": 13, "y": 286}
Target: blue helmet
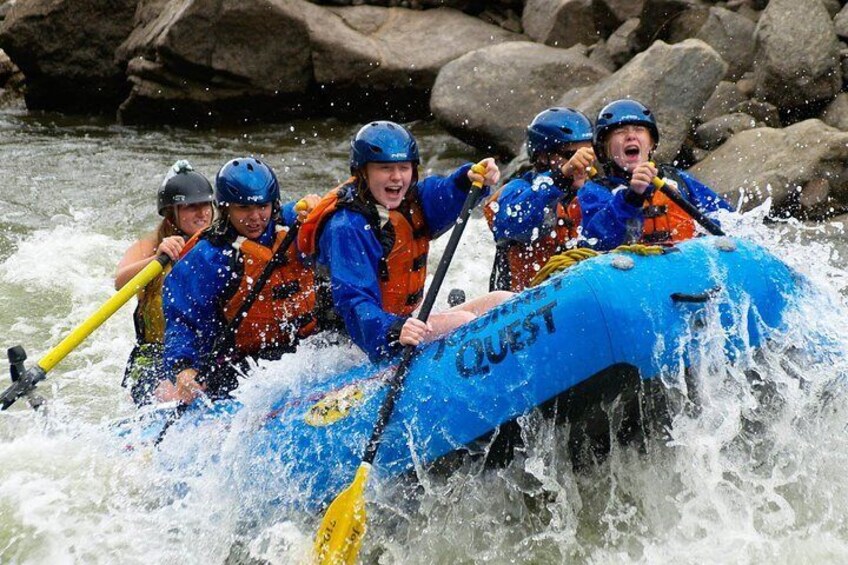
{"x": 246, "y": 181}
{"x": 554, "y": 127}
{"x": 382, "y": 142}
{"x": 621, "y": 113}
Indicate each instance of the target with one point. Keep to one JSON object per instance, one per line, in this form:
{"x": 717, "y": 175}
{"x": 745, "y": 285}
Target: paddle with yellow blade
{"x": 343, "y": 527}
{"x": 224, "y": 347}
{"x": 25, "y": 380}
{"x": 687, "y": 206}
{"x": 678, "y": 199}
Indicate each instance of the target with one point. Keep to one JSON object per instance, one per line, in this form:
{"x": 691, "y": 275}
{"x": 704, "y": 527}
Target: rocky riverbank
{"x": 749, "y": 93}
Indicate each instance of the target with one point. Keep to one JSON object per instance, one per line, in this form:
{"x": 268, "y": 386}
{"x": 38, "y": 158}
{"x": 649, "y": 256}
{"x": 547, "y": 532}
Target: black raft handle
{"x": 685, "y": 298}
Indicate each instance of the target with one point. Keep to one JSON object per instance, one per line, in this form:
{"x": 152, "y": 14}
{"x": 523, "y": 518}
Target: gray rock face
{"x": 732, "y": 36}
{"x": 65, "y": 48}
{"x": 725, "y": 96}
{"x": 832, "y": 6}
{"x": 658, "y": 20}
{"x": 390, "y": 48}
{"x": 191, "y": 59}
{"x": 685, "y": 25}
{"x": 782, "y": 164}
{"x": 673, "y": 80}
{"x": 840, "y": 23}
{"x": 200, "y": 60}
{"x": 718, "y": 130}
{"x": 760, "y": 111}
{"x": 836, "y": 113}
{"x": 623, "y": 10}
{"x": 560, "y": 23}
{"x": 797, "y": 54}
{"x": 386, "y": 60}
{"x": 600, "y": 55}
{"x": 621, "y": 45}
{"x": 488, "y": 96}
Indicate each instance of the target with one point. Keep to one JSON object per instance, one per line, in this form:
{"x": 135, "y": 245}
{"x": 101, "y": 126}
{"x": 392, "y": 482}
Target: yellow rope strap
{"x": 573, "y": 256}
{"x": 561, "y": 262}
{"x": 639, "y": 249}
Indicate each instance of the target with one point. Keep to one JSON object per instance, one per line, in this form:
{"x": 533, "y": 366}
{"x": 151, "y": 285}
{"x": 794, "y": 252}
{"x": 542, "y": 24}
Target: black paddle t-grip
{"x": 17, "y": 356}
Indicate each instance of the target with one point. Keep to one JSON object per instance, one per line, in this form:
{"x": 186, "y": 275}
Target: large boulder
{"x": 675, "y": 81}
{"x": 725, "y": 96}
{"x": 803, "y": 168}
{"x": 204, "y": 59}
{"x": 713, "y": 133}
{"x": 732, "y": 36}
{"x": 836, "y": 113}
{"x": 386, "y": 60}
{"x": 622, "y": 10}
{"x": 560, "y": 23}
{"x": 840, "y": 23}
{"x": 660, "y": 19}
{"x": 65, "y": 49}
{"x": 797, "y": 55}
{"x": 622, "y": 45}
{"x": 207, "y": 60}
{"x": 488, "y": 96}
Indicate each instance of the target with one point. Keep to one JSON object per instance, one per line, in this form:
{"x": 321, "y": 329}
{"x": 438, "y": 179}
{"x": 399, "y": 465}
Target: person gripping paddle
{"x": 186, "y": 202}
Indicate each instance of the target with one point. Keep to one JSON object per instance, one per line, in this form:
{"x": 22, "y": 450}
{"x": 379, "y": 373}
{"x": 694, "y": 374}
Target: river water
{"x": 756, "y": 474}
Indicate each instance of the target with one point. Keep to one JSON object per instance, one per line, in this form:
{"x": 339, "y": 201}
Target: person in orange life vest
{"x": 372, "y": 235}
{"x": 186, "y": 202}
{"x": 622, "y": 206}
{"x": 532, "y": 217}
{"x": 210, "y": 282}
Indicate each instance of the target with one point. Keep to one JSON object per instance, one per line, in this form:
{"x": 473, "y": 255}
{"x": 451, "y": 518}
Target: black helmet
{"x": 182, "y": 185}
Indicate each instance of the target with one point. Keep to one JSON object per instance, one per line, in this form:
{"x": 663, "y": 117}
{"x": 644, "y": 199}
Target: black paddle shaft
{"x": 396, "y": 384}
{"x": 690, "y": 209}
{"x": 276, "y": 260}
{"x": 227, "y": 338}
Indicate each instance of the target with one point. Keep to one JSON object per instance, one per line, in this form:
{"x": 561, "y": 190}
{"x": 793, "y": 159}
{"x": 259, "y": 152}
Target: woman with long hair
{"x": 186, "y": 203}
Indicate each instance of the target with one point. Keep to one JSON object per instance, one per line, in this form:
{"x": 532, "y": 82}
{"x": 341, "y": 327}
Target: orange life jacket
{"x": 665, "y": 221}
{"x": 517, "y": 262}
{"x": 405, "y": 240}
{"x": 284, "y": 309}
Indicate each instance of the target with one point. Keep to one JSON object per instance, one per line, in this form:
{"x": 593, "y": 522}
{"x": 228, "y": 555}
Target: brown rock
{"x": 797, "y": 55}
{"x": 673, "y": 80}
{"x": 65, "y": 47}
{"x": 779, "y": 163}
{"x": 487, "y": 97}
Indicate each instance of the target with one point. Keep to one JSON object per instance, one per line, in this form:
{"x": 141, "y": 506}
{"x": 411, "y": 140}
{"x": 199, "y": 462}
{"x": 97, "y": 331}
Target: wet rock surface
{"x": 709, "y": 70}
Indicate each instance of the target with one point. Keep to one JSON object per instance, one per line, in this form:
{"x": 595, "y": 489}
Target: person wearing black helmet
{"x": 204, "y": 350}
{"x": 185, "y": 201}
{"x": 371, "y": 237}
{"x": 621, "y": 206}
{"x": 533, "y": 217}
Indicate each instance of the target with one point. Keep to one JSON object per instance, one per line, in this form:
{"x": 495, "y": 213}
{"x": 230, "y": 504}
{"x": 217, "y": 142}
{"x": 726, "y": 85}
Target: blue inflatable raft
{"x": 585, "y": 335}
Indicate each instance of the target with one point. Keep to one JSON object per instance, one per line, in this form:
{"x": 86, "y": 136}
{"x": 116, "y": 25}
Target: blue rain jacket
{"x": 350, "y": 250}
{"x": 192, "y": 299}
{"x": 609, "y": 220}
{"x": 526, "y": 204}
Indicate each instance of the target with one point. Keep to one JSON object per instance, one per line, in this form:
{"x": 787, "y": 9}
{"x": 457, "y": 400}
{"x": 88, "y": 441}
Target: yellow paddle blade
{"x": 343, "y": 527}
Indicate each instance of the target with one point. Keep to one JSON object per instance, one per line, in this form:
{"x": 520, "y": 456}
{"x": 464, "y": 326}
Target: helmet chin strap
{"x": 175, "y": 223}
{"x": 612, "y": 168}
